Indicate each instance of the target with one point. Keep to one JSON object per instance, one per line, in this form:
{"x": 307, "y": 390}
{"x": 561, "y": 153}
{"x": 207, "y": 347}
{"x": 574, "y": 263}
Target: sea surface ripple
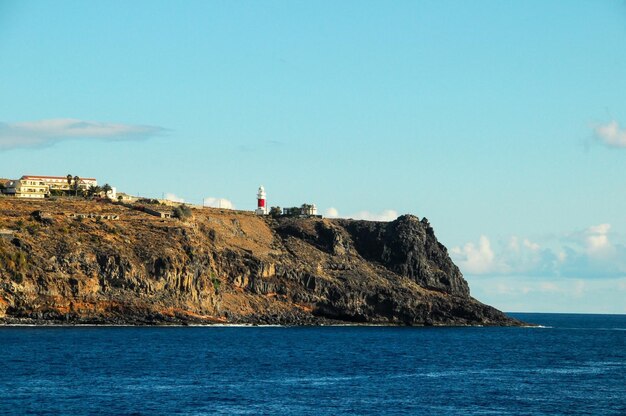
{"x": 573, "y": 365}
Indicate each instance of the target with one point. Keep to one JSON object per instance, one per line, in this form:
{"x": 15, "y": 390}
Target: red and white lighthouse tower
{"x": 261, "y": 206}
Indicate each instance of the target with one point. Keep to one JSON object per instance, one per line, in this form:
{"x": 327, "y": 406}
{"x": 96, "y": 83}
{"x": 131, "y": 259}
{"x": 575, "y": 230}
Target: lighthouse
{"x": 261, "y": 206}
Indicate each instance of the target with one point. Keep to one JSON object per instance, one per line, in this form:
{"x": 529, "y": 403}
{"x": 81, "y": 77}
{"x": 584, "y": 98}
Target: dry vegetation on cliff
{"x": 224, "y": 266}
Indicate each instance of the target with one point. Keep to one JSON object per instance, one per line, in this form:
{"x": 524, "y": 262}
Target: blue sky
{"x": 503, "y": 122}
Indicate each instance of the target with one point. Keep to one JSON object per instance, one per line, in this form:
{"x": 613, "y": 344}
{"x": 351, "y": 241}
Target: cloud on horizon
{"x": 47, "y": 132}
{"x": 584, "y": 254}
{"x": 556, "y": 294}
{"x": 331, "y": 212}
{"x": 218, "y": 203}
{"x": 385, "y": 215}
{"x": 173, "y": 198}
{"x": 611, "y": 135}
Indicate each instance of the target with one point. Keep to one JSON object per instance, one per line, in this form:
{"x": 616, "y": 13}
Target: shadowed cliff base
{"x": 116, "y": 265}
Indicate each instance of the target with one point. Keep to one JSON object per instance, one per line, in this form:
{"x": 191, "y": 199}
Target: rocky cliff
{"x": 224, "y": 267}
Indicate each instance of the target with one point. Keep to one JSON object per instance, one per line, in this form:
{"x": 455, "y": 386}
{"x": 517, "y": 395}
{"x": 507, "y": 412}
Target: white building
{"x": 305, "y": 210}
{"x": 61, "y": 182}
{"x": 33, "y": 186}
{"x": 27, "y": 188}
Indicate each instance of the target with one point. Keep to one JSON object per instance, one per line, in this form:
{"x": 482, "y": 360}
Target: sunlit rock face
{"x": 117, "y": 265}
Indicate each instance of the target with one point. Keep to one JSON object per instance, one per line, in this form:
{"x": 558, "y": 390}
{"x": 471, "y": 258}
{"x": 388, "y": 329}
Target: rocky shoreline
{"x": 225, "y": 267}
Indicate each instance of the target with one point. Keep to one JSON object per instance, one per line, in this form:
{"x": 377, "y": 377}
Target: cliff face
{"x": 225, "y": 266}
{"x": 409, "y": 248}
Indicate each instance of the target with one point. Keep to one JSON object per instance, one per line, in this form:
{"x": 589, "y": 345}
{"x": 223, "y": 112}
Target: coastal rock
{"x": 225, "y": 266}
{"x": 408, "y": 247}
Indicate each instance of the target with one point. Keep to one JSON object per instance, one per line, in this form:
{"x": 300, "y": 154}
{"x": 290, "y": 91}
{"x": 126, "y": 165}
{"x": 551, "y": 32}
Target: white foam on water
{"x": 317, "y": 381}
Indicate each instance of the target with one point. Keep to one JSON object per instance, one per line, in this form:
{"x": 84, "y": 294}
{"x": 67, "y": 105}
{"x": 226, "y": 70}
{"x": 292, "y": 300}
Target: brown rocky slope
{"x": 224, "y": 267}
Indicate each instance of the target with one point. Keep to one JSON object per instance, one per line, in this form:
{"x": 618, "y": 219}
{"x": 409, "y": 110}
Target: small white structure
{"x": 111, "y": 194}
{"x": 123, "y": 197}
{"x": 305, "y": 210}
{"x": 261, "y": 206}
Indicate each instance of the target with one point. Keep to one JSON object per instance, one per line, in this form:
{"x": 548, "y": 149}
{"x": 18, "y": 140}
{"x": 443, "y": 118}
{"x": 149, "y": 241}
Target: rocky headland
{"x": 73, "y": 261}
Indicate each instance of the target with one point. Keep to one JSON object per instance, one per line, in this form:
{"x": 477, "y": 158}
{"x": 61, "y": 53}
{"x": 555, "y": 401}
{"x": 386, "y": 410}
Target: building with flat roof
{"x": 305, "y": 210}
{"x": 61, "y": 183}
{"x": 37, "y": 186}
{"x": 27, "y": 188}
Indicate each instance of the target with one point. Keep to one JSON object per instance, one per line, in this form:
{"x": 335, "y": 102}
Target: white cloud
{"x": 476, "y": 258}
{"x": 218, "y": 203}
{"x": 611, "y": 135}
{"x": 597, "y": 240}
{"x": 173, "y": 198}
{"x": 506, "y": 258}
{"x": 331, "y": 213}
{"x": 386, "y": 215}
{"x": 46, "y": 132}
{"x": 583, "y": 254}
{"x": 530, "y": 245}
{"x": 556, "y": 294}
{"x": 599, "y": 229}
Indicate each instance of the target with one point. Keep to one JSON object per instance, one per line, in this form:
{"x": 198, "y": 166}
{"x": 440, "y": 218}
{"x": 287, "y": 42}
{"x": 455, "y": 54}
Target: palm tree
{"x": 76, "y": 183}
{"x": 69, "y": 182}
{"x": 93, "y": 190}
{"x": 106, "y": 188}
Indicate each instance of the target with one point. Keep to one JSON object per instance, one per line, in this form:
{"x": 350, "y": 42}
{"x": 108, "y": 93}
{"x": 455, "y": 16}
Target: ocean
{"x": 573, "y": 365}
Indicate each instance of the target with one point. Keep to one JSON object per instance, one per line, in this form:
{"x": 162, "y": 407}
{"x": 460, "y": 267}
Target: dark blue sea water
{"x": 576, "y": 365}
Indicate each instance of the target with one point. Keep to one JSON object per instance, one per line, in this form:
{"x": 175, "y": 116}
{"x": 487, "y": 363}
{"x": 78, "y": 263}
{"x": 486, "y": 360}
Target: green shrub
{"x": 216, "y": 283}
{"x": 276, "y": 212}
